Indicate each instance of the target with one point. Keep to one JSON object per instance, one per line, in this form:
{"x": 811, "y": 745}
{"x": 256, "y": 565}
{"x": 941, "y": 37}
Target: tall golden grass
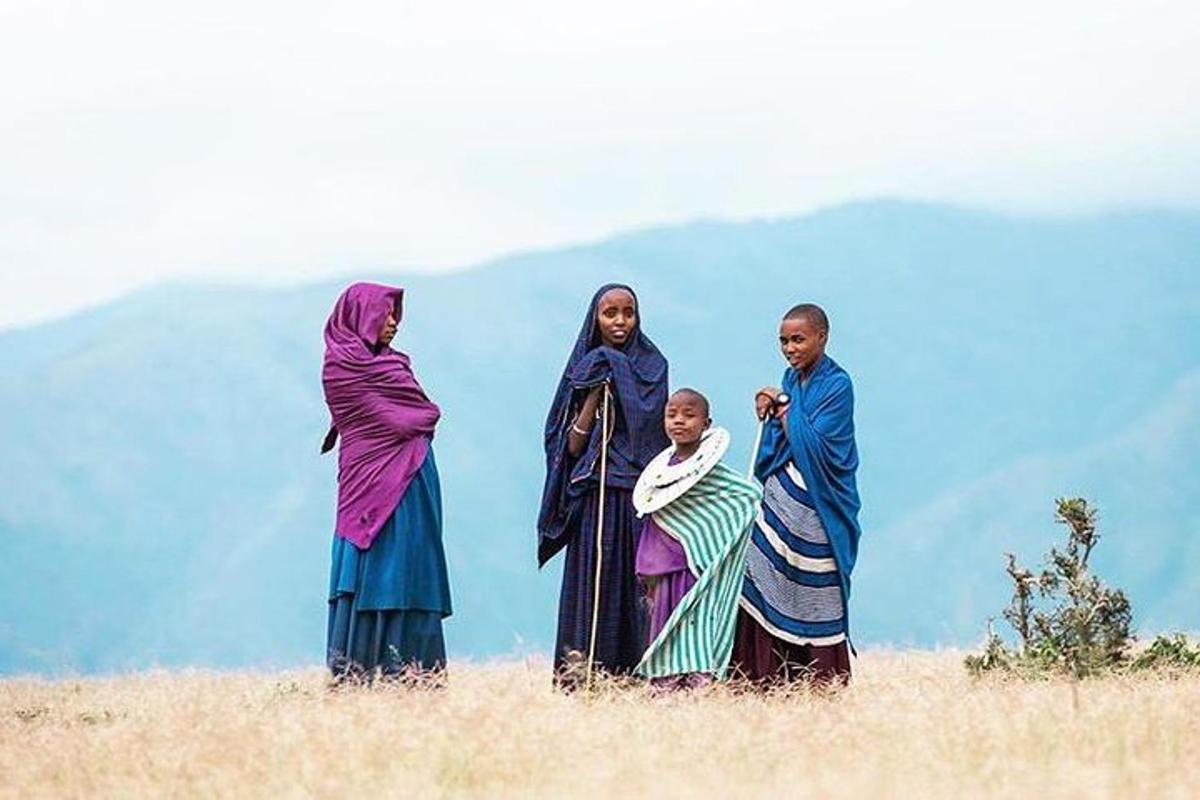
{"x": 913, "y": 724}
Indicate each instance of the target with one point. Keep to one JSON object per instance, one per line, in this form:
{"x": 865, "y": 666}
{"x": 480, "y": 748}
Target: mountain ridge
{"x": 165, "y": 501}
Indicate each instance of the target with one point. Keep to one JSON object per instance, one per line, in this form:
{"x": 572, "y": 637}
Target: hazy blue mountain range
{"x": 164, "y": 503}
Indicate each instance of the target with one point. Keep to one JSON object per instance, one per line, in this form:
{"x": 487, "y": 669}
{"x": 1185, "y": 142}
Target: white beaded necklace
{"x": 662, "y": 482}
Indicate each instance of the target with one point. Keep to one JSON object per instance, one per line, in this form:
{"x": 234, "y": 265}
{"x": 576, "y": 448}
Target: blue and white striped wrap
{"x": 793, "y": 589}
{"x": 806, "y": 541}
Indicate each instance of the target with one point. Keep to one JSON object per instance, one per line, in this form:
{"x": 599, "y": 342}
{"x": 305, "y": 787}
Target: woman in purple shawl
{"x": 612, "y": 348}
{"x": 388, "y": 590}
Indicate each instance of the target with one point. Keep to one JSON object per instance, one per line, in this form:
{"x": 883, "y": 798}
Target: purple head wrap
{"x": 382, "y": 414}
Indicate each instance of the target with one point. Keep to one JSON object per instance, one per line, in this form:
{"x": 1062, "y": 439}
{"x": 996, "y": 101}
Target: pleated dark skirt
{"x": 621, "y": 627}
{"x": 765, "y": 659}
{"x": 391, "y": 642}
{"x": 387, "y": 603}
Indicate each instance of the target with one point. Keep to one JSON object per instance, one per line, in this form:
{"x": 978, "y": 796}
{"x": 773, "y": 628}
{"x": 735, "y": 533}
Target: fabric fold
{"x": 383, "y": 416}
{"x": 712, "y": 522}
{"x": 638, "y": 374}
{"x": 809, "y": 473}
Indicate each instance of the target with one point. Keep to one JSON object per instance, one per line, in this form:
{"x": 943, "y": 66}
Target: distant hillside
{"x": 164, "y": 501}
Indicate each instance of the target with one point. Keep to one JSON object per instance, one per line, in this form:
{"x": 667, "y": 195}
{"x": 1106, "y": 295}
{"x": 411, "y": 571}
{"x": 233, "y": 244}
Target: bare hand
{"x": 764, "y": 401}
{"x": 581, "y": 427}
{"x": 612, "y": 407}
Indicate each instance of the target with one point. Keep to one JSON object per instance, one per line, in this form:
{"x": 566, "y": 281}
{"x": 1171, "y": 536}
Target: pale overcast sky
{"x": 282, "y": 141}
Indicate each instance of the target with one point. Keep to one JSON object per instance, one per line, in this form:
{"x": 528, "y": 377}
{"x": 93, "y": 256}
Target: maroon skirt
{"x": 762, "y": 658}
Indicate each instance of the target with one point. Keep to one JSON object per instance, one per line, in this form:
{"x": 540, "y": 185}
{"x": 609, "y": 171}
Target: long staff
{"x": 599, "y": 536}
{"x": 780, "y": 399}
{"x": 762, "y": 423}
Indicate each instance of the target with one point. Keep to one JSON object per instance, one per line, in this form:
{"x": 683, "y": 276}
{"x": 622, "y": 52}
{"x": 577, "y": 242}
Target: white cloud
{"x": 279, "y": 141}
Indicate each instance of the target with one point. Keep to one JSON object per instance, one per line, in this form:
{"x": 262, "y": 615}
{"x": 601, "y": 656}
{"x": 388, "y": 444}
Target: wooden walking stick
{"x": 762, "y": 423}
{"x": 591, "y": 659}
{"x": 781, "y": 399}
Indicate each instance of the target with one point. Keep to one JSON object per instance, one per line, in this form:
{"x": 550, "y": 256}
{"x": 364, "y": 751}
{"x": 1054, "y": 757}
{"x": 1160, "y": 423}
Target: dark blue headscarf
{"x": 820, "y": 442}
{"x": 638, "y": 375}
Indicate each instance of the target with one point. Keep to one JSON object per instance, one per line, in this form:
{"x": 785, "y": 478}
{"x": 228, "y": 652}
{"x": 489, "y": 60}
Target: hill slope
{"x": 164, "y": 500}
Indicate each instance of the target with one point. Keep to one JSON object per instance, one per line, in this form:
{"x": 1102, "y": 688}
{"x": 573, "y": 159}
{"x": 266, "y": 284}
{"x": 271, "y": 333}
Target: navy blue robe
{"x": 637, "y": 375}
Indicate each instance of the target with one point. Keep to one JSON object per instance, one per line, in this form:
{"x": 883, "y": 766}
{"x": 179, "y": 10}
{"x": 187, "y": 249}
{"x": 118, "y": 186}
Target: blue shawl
{"x": 638, "y": 375}
{"x": 820, "y": 442}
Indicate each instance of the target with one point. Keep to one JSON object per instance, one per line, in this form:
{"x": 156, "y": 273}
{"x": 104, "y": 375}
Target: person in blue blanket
{"x": 612, "y": 349}
{"x": 793, "y": 621}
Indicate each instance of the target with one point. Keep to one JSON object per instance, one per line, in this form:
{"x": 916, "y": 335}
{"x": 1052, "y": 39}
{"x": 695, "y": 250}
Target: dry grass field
{"x": 912, "y": 725}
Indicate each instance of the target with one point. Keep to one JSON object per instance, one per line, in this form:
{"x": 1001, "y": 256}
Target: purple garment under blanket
{"x": 660, "y": 557}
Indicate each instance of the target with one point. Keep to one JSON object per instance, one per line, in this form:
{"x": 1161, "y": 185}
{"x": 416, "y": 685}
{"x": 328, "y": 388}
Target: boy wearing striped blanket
{"x": 691, "y": 555}
{"x": 793, "y": 623}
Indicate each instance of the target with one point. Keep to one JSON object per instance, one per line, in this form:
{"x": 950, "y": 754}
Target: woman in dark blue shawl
{"x": 611, "y": 347}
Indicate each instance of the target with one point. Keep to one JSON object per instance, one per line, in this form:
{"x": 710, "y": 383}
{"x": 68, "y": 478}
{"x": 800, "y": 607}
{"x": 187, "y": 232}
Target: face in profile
{"x": 685, "y": 418}
{"x": 801, "y": 342}
{"x": 388, "y": 332}
{"x": 616, "y": 317}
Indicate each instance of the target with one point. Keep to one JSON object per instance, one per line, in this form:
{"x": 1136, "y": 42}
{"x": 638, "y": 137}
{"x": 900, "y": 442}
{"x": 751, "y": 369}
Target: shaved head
{"x": 685, "y": 419}
{"x": 811, "y": 312}
{"x": 693, "y": 395}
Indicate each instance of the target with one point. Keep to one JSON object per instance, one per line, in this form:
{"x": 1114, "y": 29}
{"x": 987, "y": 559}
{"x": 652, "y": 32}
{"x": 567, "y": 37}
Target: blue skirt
{"x": 387, "y": 602}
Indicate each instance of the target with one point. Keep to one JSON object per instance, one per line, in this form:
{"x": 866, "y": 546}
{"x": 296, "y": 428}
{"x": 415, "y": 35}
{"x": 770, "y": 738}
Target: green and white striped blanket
{"x": 712, "y": 521}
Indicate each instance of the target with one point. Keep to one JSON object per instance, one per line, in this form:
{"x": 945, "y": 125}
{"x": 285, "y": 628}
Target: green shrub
{"x": 1066, "y": 620}
{"x": 1169, "y": 652}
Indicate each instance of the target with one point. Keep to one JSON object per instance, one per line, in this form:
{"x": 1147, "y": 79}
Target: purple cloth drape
{"x": 384, "y": 418}
{"x": 662, "y": 566}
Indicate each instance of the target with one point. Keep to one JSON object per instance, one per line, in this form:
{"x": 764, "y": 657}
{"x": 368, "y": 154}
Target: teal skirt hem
{"x": 387, "y": 602}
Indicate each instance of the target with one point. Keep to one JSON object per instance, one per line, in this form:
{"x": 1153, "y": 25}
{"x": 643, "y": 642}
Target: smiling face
{"x": 685, "y": 419}
{"x": 616, "y": 317}
{"x": 802, "y": 342}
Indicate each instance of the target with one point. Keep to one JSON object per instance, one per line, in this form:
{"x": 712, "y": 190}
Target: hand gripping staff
{"x": 781, "y": 399}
